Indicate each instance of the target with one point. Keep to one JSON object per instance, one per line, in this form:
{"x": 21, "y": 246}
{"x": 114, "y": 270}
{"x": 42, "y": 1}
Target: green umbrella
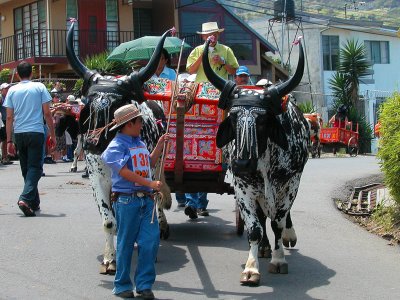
{"x": 143, "y": 48}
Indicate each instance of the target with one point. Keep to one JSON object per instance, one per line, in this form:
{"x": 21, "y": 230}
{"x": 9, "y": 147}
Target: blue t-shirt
{"x": 167, "y": 73}
{"x": 131, "y": 151}
{"x": 26, "y": 99}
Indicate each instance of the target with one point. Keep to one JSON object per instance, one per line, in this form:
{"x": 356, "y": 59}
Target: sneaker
{"x": 203, "y": 212}
{"x": 26, "y": 209}
{"x": 125, "y": 294}
{"x": 145, "y": 294}
{"x": 191, "y": 212}
{"x": 7, "y": 162}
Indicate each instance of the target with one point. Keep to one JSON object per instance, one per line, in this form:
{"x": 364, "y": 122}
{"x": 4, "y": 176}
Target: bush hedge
{"x": 389, "y": 144}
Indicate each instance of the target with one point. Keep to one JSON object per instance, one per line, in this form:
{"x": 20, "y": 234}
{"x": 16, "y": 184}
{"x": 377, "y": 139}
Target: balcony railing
{"x": 43, "y": 43}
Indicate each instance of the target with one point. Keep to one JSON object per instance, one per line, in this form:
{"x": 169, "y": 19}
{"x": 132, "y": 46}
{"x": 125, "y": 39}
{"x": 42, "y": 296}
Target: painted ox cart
{"x": 193, "y": 162}
{"x": 342, "y": 135}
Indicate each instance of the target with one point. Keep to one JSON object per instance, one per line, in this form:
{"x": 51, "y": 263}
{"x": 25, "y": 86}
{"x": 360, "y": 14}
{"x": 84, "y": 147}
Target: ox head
{"x": 252, "y": 115}
{"x": 105, "y": 94}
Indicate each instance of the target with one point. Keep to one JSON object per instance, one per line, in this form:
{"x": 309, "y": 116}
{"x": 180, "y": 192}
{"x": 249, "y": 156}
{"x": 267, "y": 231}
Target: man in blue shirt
{"x": 27, "y": 103}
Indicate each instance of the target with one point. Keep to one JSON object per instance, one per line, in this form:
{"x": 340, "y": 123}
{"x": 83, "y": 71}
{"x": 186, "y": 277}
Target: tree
{"x": 345, "y": 84}
{"x": 354, "y": 66}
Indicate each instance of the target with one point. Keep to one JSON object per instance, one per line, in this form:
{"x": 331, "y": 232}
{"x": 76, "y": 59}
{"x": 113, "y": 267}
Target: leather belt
{"x": 140, "y": 194}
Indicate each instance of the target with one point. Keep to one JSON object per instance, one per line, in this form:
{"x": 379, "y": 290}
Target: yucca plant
{"x": 100, "y": 63}
{"x": 307, "y": 107}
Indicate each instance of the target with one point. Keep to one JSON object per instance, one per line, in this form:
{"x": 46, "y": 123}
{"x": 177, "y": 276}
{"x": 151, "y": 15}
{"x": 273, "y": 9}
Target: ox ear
{"x": 225, "y": 133}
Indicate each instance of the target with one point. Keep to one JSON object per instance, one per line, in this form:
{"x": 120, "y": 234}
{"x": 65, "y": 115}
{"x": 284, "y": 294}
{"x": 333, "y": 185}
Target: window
{"x": 330, "y": 52}
{"x": 142, "y": 22}
{"x": 72, "y": 12}
{"x": 377, "y": 52}
{"x": 112, "y": 24}
{"x": 30, "y": 30}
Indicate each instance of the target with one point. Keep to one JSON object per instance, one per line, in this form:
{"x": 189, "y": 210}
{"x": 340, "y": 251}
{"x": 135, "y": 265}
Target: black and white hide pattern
{"x": 105, "y": 94}
{"x": 264, "y": 140}
{"x": 67, "y": 122}
{"x": 270, "y": 192}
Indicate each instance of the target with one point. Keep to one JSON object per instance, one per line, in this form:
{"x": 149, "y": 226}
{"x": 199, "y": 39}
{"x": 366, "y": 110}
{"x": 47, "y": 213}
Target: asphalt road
{"x": 57, "y": 254}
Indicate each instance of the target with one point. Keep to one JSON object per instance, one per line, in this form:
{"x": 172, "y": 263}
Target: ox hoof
{"x": 164, "y": 233}
{"x": 289, "y": 243}
{"x": 108, "y": 268}
{"x": 280, "y": 268}
{"x": 264, "y": 252}
{"x": 250, "y": 279}
{"x": 73, "y": 170}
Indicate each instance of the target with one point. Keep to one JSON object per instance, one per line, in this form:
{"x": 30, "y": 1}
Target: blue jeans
{"x": 133, "y": 215}
{"x": 196, "y": 200}
{"x": 30, "y": 149}
{"x": 44, "y": 143}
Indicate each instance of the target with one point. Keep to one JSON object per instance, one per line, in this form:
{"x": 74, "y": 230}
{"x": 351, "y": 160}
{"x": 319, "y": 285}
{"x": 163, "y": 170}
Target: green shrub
{"x": 389, "y": 144}
{"x": 5, "y": 75}
{"x": 307, "y": 107}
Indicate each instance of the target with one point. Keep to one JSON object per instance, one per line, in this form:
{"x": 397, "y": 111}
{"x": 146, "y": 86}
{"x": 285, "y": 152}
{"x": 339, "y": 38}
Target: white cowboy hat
{"x": 210, "y": 27}
{"x": 125, "y": 114}
{"x": 263, "y": 82}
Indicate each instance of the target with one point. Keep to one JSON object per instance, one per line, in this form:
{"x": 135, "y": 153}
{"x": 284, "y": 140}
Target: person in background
{"x": 242, "y": 76}
{"x": 56, "y": 92}
{"x": 223, "y": 62}
{"x": 163, "y": 68}
{"x": 27, "y": 103}
{"x": 221, "y": 57}
{"x": 5, "y": 160}
{"x": 132, "y": 192}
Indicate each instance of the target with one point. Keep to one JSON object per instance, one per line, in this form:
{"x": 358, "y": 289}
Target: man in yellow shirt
{"x": 221, "y": 57}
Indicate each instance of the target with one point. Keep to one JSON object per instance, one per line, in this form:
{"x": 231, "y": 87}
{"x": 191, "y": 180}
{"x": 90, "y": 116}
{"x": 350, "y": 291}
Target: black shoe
{"x": 191, "y": 212}
{"x": 125, "y": 294}
{"x": 181, "y": 204}
{"x": 85, "y": 175}
{"x": 203, "y": 212}
{"x": 43, "y": 174}
{"x": 145, "y": 294}
{"x": 26, "y": 209}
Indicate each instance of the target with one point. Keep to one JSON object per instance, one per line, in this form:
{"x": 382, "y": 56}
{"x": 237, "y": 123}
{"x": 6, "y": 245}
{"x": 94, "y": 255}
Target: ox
{"x": 315, "y": 124}
{"x": 105, "y": 95}
{"x": 266, "y": 148}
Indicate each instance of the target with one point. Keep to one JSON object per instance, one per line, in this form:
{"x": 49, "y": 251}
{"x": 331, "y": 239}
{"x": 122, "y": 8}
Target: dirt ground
{"x": 343, "y": 194}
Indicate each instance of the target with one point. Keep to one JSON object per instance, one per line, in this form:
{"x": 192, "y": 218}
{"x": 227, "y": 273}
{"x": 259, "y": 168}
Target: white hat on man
{"x": 210, "y": 27}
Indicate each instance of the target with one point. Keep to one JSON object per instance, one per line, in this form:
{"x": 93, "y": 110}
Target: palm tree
{"x": 354, "y": 66}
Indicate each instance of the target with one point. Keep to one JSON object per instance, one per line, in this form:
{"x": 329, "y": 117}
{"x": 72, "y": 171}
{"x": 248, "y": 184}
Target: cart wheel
{"x": 352, "y": 146}
{"x": 239, "y": 222}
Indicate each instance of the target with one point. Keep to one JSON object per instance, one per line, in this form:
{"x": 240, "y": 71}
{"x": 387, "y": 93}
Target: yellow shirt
{"x": 223, "y": 51}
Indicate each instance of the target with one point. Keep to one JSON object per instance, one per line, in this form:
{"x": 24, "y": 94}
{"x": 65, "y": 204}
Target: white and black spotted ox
{"x": 266, "y": 147}
{"x": 105, "y": 95}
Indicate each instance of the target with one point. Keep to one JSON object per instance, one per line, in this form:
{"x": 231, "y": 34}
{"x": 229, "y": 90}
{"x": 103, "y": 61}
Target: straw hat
{"x": 210, "y": 27}
{"x": 125, "y": 114}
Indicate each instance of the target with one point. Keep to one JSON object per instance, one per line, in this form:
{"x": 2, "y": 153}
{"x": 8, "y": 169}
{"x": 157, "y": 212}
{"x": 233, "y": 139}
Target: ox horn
{"x": 290, "y": 84}
{"x": 138, "y": 78}
{"x": 225, "y": 86}
{"x": 73, "y": 60}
